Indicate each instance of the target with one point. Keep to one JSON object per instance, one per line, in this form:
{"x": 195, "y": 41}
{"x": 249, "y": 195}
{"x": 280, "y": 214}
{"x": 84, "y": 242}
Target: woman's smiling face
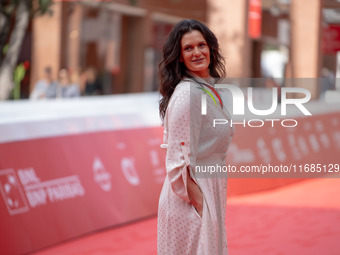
{"x": 195, "y": 53}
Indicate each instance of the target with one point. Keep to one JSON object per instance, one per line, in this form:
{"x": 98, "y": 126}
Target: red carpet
{"x": 303, "y": 218}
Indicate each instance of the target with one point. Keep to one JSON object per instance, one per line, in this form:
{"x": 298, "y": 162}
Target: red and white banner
{"x": 254, "y": 18}
{"x": 67, "y": 176}
{"x": 313, "y": 143}
{"x": 331, "y": 39}
{"x": 54, "y": 189}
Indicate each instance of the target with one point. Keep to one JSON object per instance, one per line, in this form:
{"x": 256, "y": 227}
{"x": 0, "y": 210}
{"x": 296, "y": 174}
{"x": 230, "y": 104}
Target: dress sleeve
{"x": 184, "y": 125}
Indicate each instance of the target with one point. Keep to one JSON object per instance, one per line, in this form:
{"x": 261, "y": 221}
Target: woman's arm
{"x": 195, "y": 194}
{"x": 184, "y": 126}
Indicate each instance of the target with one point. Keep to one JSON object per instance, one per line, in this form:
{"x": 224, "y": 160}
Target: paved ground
{"x": 303, "y": 218}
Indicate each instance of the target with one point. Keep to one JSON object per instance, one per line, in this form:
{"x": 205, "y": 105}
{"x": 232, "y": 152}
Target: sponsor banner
{"x": 54, "y": 189}
{"x": 331, "y": 39}
{"x": 254, "y": 19}
{"x": 312, "y": 148}
{"x": 81, "y": 175}
{"x": 308, "y": 150}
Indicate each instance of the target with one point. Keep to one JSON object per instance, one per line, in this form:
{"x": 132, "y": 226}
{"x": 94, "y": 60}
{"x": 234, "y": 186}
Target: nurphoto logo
{"x": 238, "y": 102}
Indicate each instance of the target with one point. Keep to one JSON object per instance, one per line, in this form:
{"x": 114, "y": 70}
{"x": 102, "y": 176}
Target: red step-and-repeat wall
{"x": 60, "y": 187}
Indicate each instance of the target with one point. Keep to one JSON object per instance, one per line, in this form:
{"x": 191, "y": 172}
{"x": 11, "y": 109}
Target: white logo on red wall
{"x": 101, "y": 176}
{"x": 158, "y": 170}
{"x": 12, "y": 192}
{"x": 30, "y": 191}
{"x": 129, "y": 170}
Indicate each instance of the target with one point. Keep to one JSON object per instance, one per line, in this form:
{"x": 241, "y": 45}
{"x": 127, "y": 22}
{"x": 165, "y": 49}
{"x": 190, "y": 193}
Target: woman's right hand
{"x": 195, "y": 195}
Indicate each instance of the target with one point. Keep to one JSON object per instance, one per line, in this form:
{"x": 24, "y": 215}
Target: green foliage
{"x": 133, "y": 2}
{"x": 19, "y": 74}
{"x": 9, "y": 15}
{"x": 39, "y": 7}
{"x": 44, "y": 7}
{"x": 7, "y": 7}
{"x": 5, "y": 49}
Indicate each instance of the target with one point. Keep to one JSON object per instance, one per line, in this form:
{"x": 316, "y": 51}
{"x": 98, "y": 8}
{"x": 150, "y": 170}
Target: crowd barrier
{"x": 72, "y": 167}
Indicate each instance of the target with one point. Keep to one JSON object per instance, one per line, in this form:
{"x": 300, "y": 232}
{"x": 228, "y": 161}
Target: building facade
{"x": 122, "y": 40}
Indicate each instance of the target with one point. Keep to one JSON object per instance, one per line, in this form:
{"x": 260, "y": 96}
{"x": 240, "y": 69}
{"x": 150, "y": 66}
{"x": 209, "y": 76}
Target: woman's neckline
{"x": 209, "y": 80}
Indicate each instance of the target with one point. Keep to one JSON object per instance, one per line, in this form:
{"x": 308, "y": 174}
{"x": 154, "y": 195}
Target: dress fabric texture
{"x": 191, "y": 142}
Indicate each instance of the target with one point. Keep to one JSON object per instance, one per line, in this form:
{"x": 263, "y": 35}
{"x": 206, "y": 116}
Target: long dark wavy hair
{"x": 171, "y": 70}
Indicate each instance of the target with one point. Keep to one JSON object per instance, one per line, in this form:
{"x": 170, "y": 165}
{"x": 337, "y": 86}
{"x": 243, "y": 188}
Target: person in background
{"x": 46, "y": 87}
{"x": 67, "y": 88}
{"x": 74, "y": 87}
{"x": 92, "y": 86}
{"x": 327, "y": 82}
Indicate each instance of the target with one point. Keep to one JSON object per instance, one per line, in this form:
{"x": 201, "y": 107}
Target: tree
{"x": 19, "y": 12}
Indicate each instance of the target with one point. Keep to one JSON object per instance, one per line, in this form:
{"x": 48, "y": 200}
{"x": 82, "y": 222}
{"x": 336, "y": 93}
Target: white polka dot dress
{"x": 191, "y": 141}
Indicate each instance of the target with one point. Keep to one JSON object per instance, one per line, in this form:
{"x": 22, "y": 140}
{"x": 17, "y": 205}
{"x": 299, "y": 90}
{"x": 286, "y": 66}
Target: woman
{"x": 191, "y": 214}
